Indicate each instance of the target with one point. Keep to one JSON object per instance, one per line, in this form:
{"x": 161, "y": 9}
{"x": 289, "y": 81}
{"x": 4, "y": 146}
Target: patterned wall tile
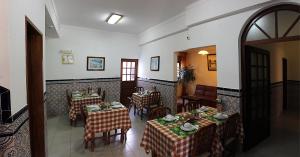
{"x": 167, "y": 89}
{"x": 15, "y": 138}
{"x": 231, "y": 99}
{"x": 56, "y": 101}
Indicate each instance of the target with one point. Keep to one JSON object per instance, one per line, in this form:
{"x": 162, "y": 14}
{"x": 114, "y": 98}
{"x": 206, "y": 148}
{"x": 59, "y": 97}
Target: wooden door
{"x": 35, "y": 93}
{"x": 284, "y": 83}
{"x": 129, "y": 69}
{"x": 256, "y": 108}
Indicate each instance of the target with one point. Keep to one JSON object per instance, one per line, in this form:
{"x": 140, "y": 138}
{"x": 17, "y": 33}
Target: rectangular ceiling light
{"x": 114, "y": 18}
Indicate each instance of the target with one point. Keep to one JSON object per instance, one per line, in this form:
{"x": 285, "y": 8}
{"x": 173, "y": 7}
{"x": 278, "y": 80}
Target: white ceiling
{"x": 139, "y": 14}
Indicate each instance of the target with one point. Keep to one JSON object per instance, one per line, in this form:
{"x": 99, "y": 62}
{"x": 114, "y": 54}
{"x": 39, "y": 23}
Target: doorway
{"x": 129, "y": 70}
{"x": 272, "y": 25}
{"x": 35, "y": 97}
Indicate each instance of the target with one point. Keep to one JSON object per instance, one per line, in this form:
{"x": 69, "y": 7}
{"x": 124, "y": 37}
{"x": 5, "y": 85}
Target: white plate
{"x": 187, "y": 128}
{"x": 94, "y": 95}
{"x": 221, "y": 116}
{"x": 93, "y": 107}
{"x": 117, "y": 106}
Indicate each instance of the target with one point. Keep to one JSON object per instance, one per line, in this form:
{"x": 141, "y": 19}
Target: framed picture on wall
{"x": 95, "y": 63}
{"x": 67, "y": 58}
{"x": 212, "y": 62}
{"x": 154, "y": 63}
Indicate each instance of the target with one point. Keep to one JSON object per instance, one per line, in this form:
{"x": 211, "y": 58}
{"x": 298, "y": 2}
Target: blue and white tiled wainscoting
{"x": 167, "y": 89}
{"x": 15, "y": 137}
{"x": 56, "y": 101}
{"x": 231, "y": 99}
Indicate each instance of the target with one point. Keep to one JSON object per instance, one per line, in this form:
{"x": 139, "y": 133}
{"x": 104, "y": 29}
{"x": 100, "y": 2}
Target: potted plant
{"x": 186, "y": 75}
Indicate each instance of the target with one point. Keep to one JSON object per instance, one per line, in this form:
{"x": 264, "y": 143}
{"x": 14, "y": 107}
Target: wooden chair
{"x": 230, "y": 136}
{"x": 83, "y": 114}
{"x": 203, "y": 140}
{"x": 192, "y": 105}
{"x": 69, "y": 97}
{"x": 158, "y": 112}
{"x": 103, "y": 95}
{"x": 154, "y": 101}
{"x": 99, "y": 91}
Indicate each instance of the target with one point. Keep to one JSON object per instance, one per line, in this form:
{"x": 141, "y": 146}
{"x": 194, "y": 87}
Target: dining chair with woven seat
{"x": 203, "y": 140}
{"x": 192, "y": 105}
{"x": 159, "y": 112}
{"x": 230, "y": 136}
{"x": 153, "y": 102}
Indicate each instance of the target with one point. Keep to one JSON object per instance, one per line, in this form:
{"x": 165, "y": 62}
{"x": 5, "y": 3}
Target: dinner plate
{"x": 187, "y": 128}
{"x": 94, "y": 95}
{"x": 117, "y": 106}
{"x": 221, "y": 116}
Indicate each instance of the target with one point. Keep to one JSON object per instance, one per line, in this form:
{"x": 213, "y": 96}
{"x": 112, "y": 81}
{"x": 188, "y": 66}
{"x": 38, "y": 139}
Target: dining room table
{"x": 103, "y": 119}
{"x": 164, "y": 138}
{"x": 79, "y": 99}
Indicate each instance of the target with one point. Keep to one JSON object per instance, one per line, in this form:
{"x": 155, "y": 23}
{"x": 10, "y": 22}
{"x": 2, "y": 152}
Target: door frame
{"x": 36, "y": 112}
{"x": 121, "y": 68}
{"x": 284, "y": 83}
{"x": 243, "y": 43}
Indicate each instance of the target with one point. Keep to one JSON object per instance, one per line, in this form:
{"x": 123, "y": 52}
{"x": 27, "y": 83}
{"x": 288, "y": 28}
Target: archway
{"x": 278, "y": 23}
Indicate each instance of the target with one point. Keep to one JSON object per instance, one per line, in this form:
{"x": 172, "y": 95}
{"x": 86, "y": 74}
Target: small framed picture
{"x": 67, "y": 58}
{"x": 154, "y": 63}
{"x": 95, "y": 63}
{"x": 212, "y": 62}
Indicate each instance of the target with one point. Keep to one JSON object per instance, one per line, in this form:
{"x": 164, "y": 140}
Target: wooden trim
{"x": 291, "y": 27}
{"x": 276, "y": 24}
{"x": 265, "y": 33}
{"x": 269, "y": 41}
{"x": 34, "y": 82}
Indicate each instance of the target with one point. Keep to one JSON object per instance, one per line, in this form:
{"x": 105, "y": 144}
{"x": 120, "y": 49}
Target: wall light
{"x": 113, "y": 18}
{"x": 203, "y": 52}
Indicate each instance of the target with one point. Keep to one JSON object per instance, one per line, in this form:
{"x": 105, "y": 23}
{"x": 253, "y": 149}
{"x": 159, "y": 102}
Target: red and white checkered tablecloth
{"x": 164, "y": 142}
{"x": 76, "y": 103}
{"x": 104, "y": 121}
{"x": 140, "y": 100}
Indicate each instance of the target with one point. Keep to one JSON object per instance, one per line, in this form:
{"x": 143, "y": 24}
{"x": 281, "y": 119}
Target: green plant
{"x": 186, "y": 75}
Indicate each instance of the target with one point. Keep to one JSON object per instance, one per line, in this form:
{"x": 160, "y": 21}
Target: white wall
{"x": 88, "y": 42}
{"x": 4, "y": 55}
{"x": 18, "y": 9}
{"x": 205, "y": 26}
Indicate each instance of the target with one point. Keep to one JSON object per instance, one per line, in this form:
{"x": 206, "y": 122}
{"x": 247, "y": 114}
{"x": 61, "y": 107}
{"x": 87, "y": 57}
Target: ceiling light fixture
{"x": 203, "y": 52}
{"x": 113, "y": 18}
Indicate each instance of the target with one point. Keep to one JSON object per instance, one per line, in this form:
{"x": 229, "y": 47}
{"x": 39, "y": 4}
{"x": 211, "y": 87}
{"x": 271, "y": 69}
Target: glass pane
{"x": 253, "y": 73}
{"x": 128, "y": 64}
{"x": 295, "y": 30}
{"x": 128, "y": 71}
{"x": 255, "y": 34}
{"x": 124, "y": 71}
{"x": 260, "y": 60}
{"x": 253, "y": 59}
{"x": 265, "y": 73}
{"x": 128, "y": 77}
{"x": 285, "y": 20}
{"x": 123, "y": 77}
{"x": 260, "y": 73}
{"x": 132, "y": 64}
{"x": 124, "y": 64}
{"x": 253, "y": 84}
{"x": 267, "y": 23}
{"x": 132, "y": 71}
{"x": 265, "y": 60}
{"x": 132, "y": 77}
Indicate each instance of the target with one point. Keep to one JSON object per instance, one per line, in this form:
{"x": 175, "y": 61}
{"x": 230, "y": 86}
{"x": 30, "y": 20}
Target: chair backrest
{"x": 154, "y": 98}
{"x": 69, "y": 96}
{"x": 99, "y": 91}
{"x": 103, "y": 95}
{"x": 159, "y": 112}
{"x": 192, "y": 105}
{"x": 231, "y": 126}
{"x": 139, "y": 89}
{"x": 83, "y": 113}
{"x": 203, "y": 139}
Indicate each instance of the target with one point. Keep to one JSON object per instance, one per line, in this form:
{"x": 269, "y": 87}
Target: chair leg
{"x": 93, "y": 144}
{"x": 134, "y": 110}
{"x": 142, "y": 112}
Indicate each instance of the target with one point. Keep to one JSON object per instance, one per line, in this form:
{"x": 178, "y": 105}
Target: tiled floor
{"x": 66, "y": 141}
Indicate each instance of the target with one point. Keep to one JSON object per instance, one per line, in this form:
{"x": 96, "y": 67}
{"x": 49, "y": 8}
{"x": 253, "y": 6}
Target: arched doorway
{"x": 278, "y": 23}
